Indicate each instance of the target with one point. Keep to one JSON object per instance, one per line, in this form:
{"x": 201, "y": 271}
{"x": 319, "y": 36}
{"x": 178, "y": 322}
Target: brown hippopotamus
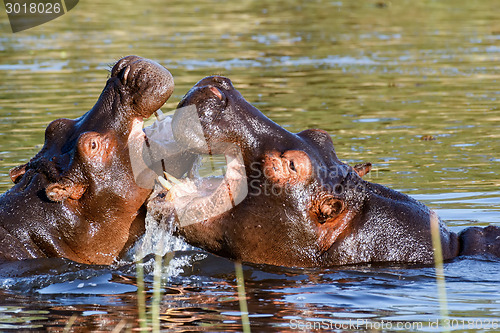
{"x": 302, "y": 206}
{"x": 77, "y": 198}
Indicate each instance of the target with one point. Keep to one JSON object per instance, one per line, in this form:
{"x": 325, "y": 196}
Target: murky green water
{"x": 378, "y": 75}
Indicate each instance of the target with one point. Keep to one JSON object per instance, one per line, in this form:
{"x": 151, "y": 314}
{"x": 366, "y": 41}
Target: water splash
{"x": 159, "y": 233}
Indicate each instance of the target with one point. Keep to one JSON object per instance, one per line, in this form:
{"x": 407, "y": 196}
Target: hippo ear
{"x": 327, "y": 209}
{"x": 362, "y": 169}
{"x": 330, "y": 214}
{"x": 59, "y": 192}
{"x": 17, "y": 173}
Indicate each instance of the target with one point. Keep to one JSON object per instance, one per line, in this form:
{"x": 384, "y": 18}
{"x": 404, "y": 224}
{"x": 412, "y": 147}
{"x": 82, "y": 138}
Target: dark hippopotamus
{"x": 77, "y": 198}
{"x": 301, "y": 205}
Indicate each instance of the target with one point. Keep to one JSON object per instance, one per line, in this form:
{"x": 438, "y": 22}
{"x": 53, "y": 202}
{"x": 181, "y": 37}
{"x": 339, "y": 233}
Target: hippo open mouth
{"x": 297, "y": 203}
{"x": 77, "y": 198}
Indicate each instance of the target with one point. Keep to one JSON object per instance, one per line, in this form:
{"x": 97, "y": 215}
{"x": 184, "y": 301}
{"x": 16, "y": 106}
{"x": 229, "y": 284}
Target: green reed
{"x": 438, "y": 263}
{"x": 141, "y": 296}
{"x": 149, "y": 317}
{"x": 245, "y": 321}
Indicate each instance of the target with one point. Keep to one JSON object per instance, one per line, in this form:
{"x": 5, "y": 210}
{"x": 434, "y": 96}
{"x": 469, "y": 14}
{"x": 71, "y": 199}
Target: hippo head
{"x": 303, "y": 206}
{"x": 77, "y": 198}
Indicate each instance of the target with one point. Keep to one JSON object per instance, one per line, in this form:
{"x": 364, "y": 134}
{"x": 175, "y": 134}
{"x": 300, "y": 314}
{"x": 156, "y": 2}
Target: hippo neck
{"x": 108, "y": 113}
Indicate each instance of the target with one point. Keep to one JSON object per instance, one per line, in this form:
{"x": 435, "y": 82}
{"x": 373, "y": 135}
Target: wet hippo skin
{"x": 77, "y": 197}
{"x": 304, "y": 207}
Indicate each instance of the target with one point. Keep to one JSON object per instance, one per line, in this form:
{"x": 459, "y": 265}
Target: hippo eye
{"x": 94, "y": 145}
{"x": 91, "y": 144}
{"x": 292, "y": 166}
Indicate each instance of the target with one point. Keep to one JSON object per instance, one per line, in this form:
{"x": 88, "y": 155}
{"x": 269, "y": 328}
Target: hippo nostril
{"x": 216, "y": 92}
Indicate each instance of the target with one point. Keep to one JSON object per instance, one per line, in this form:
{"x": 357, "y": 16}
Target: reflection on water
{"x": 378, "y": 75}
{"x": 203, "y": 295}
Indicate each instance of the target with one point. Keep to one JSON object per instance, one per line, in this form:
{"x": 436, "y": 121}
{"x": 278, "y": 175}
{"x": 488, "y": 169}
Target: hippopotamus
{"x": 78, "y": 198}
{"x": 302, "y": 206}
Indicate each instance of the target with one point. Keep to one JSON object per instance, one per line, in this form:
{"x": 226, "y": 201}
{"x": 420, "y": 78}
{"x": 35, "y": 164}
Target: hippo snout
{"x": 154, "y": 82}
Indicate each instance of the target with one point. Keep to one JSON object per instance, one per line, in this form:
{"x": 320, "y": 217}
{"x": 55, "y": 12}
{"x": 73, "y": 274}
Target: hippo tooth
{"x": 171, "y": 178}
{"x": 165, "y": 183}
{"x": 159, "y": 115}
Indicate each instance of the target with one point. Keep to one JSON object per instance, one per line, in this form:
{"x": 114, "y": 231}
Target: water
{"x": 202, "y": 295}
{"x": 377, "y": 75}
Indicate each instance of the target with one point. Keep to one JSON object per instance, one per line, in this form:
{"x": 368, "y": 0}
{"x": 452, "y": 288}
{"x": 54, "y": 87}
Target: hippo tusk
{"x": 159, "y": 115}
{"x": 168, "y": 181}
{"x": 165, "y": 183}
{"x": 171, "y": 178}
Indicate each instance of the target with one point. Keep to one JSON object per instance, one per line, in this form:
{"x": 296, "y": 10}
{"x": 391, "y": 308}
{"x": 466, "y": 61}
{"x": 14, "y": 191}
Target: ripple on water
{"x": 101, "y": 284}
{"x": 285, "y": 62}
